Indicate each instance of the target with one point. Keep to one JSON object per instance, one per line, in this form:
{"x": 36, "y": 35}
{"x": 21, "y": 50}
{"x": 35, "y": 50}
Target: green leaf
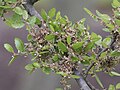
{"x": 75, "y": 76}
{"x": 103, "y": 55}
{"x": 88, "y": 11}
{"x": 52, "y": 28}
{"x": 19, "y": 44}
{"x": 50, "y": 37}
{"x": 62, "y": 21}
{"x": 115, "y": 4}
{"x": 69, "y": 40}
{"x": 29, "y": 67}
{"x": 25, "y": 14}
{"x": 95, "y": 37}
{"x": 106, "y": 42}
{"x": 36, "y": 65}
{"x": 29, "y": 37}
{"x": 11, "y": 1}
{"x": 52, "y": 12}
{"x": 98, "y": 81}
{"x": 115, "y": 54}
{"x": 32, "y": 20}
{"x": 117, "y": 22}
{"x": 74, "y": 58}
{"x": 89, "y": 46}
{"x": 58, "y": 15}
{"x": 12, "y": 60}
{"x": 18, "y": 10}
{"x": 103, "y": 17}
{"x": 15, "y": 21}
{"x": 62, "y": 46}
{"x": 46, "y": 47}
{"x": 106, "y": 29}
{"x": 62, "y": 73}
{"x": 44, "y": 14}
{"x": 118, "y": 86}
{"x": 55, "y": 58}
{"x": 38, "y": 22}
{"x": 5, "y": 7}
{"x": 115, "y": 73}
{"x": 44, "y": 52}
{"x": 8, "y": 47}
{"x": 46, "y": 70}
{"x": 77, "y": 45}
{"x": 111, "y": 87}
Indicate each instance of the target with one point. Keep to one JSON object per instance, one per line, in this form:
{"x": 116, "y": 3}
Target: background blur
{"x": 15, "y": 77}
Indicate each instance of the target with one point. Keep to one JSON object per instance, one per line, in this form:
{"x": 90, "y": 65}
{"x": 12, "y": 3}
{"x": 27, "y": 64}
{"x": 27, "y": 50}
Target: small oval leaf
{"x": 8, "y": 47}
{"x": 19, "y": 44}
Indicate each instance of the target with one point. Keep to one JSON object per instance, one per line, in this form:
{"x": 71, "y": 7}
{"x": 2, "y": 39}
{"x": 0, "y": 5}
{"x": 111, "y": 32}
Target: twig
{"x": 28, "y": 5}
{"x": 81, "y": 81}
{"x": 98, "y": 55}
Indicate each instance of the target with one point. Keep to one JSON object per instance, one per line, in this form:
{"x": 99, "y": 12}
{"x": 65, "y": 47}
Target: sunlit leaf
{"x": 51, "y": 13}
{"x": 111, "y": 87}
{"x": 50, "y": 37}
{"x": 8, "y": 47}
{"x": 44, "y": 14}
{"x": 19, "y": 44}
{"x": 62, "y": 46}
{"x": 115, "y": 73}
{"x": 118, "y": 86}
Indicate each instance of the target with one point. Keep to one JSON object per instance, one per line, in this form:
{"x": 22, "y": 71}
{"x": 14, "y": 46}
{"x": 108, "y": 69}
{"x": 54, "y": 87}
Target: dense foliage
{"x": 58, "y": 45}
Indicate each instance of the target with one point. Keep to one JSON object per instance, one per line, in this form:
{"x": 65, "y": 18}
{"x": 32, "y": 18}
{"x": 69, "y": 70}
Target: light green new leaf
{"x": 106, "y": 42}
{"x": 115, "y": 54}
{"x": 103, "y": 17}
{"x": 62, "y": 46}
{"x": 74, "y": 58}
{"x": 32, "y": 20}
{"x": 19, "y": 44}
{"x": 69, "y": 40}
{"x": 18, "y": 10}
{"x": 8, "y": 47}
{"x": 62, "y": 73}
{"x": 75, "y": 76}
{"x": 106, "y": 29}
{"x": 115, "y": 73}
{"x": 118, "y": 86}
{"x": 55, "y": 58}
{"x": 89, "y": 46}
{"x": 115, "y": 4}
{"x": 46, "y": 70}
{"x": 29, "y": 67}
{"x": 36, "y": 65}
{"x": 50, "y": 37}
{"x": 98, "y": 81}
{"x": 5, "y": 7}
{"x": 58, "y": 15}
{"x": 77, "y": 45}
{"x": 11, "y": 1}
{"x": 111, "y": 87}
{"x": 25, "y": 14}
{"x": 88, "y": 11}
{"x": 52, "y": 28}
{"x": 44, "y": 14}
{"x": 52, "y": 12}
{"x": 15, "y": 21}
{"x": 29, "y": 37}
